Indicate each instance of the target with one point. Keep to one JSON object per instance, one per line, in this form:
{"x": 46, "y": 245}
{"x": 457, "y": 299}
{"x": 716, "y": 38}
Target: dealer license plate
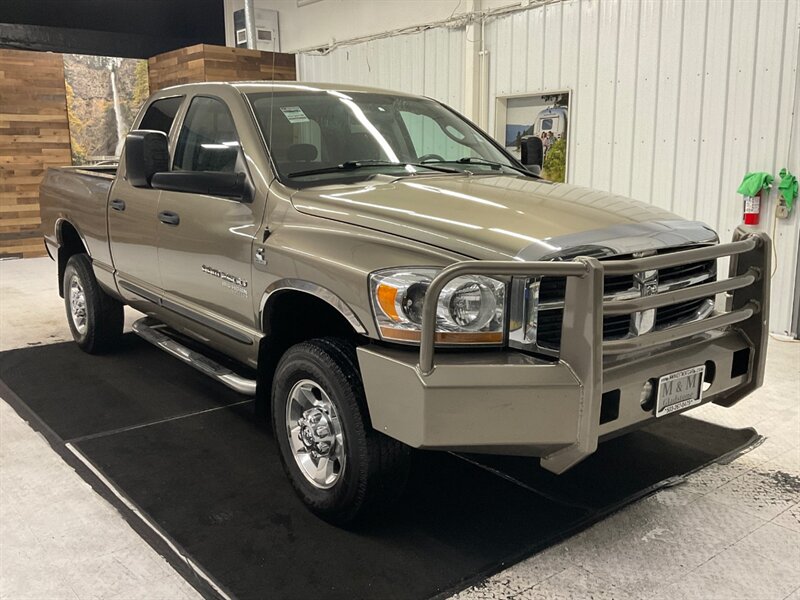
{"x": 679, "y": 390}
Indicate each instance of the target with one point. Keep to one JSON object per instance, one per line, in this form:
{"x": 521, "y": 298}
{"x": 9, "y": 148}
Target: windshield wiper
{"x": 352, "y": 165}
{"x": 468, "y": 160}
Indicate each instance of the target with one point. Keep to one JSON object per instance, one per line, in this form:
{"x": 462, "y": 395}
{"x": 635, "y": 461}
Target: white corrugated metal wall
{"x": 428, "y": 63}
{"x": 672, "y": 101}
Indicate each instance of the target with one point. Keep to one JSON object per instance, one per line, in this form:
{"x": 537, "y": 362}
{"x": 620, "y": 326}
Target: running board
{"x": 151, "y": 330}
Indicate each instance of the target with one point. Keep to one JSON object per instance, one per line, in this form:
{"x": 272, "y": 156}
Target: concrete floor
{"x": 731, "y": 531}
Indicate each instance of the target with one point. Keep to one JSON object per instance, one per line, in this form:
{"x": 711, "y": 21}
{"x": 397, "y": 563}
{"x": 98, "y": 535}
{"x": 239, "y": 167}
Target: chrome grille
{"x": 675, "y": 314}
{"x": 549, "y": 318}
{"x": 686, "y": 272}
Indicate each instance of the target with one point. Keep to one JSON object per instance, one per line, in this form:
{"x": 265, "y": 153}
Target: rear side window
{"x": 208, "y": 139}
{"x": 161, "y": 114}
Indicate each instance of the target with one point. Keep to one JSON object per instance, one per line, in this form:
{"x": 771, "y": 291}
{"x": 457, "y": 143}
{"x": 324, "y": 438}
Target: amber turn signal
{"x": 386, "y": 300}
{"x": 444, "y": 337}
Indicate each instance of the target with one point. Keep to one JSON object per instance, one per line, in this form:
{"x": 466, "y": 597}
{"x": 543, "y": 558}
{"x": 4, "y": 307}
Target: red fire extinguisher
{"x": 752, "y": 187}
{"x": 752, "y": 209}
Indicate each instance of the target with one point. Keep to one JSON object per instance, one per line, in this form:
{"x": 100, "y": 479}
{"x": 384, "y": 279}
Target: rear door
{"x": 133, "y": 218}
{"x": 206, "y": 243}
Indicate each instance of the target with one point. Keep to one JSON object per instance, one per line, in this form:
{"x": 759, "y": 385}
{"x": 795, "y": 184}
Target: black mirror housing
{"x": 146, "y": 153}
{"x": 209, "y": 183}
{"x": 532, "y": 151}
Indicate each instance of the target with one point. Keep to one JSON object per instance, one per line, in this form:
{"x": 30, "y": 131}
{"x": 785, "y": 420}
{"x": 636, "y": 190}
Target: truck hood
{"x": 479, "y": 216}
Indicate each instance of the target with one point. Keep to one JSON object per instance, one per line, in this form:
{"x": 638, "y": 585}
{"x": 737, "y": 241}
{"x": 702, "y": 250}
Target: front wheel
{"x": 339, "y": 466}
{"x": 95, "y": 318}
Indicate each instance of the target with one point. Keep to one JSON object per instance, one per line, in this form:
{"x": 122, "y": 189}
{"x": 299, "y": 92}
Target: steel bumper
{"x": 509, "y": 402}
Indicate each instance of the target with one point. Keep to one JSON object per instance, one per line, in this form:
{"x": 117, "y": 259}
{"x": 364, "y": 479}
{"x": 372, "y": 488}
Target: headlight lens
{"x": 469, "y": 303}
{"x": 471, "y": 309}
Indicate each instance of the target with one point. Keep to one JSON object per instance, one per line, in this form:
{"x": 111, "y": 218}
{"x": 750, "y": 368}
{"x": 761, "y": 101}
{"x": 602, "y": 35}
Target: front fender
{"x": 308, "y": 287}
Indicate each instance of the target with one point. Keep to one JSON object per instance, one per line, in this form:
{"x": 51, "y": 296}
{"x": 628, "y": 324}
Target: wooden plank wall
{"x": 186, "y": 65}
{"x": 34, "y": 131}
{"x": 218, "y": 63}
{"x": 34, "y": 135}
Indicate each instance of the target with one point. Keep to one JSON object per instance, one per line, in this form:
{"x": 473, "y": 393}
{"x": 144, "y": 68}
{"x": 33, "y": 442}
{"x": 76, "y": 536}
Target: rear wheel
{"x": 95, "y": 318}
{"x": 339, "y": 466}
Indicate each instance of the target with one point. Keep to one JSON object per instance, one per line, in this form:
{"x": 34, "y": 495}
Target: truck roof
{"x": 249, "y": 87}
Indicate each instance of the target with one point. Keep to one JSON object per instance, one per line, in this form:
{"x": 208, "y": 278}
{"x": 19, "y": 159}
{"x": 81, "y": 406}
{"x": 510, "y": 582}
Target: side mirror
{"x": 146, "y": 153}
{"x": 532, "y": 153}
{"x": 209, "y": 183}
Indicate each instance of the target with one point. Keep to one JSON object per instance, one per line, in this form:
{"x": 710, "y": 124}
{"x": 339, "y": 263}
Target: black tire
{"x": 101, "y": 329}
{"x": 376, "y": 466}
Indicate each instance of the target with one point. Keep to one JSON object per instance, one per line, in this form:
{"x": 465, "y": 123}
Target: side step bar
{"x": 150, "y": 330}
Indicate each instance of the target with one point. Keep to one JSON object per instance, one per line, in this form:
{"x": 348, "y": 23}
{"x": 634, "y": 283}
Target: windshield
{"x": 317, "y": 137}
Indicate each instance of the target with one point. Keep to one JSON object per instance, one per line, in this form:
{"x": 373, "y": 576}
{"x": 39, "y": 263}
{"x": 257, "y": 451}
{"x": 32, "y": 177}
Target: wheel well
{"x": 291, "y": 317}
{"x": 70, "y": 244}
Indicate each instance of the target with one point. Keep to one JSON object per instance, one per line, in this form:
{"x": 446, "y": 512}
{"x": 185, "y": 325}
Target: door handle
{"x": 168, "y": 217}
{"x": 118, "y": 205}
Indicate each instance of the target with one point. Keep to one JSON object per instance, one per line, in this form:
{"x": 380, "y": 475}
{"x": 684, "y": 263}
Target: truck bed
{"x": 78, "y": 195}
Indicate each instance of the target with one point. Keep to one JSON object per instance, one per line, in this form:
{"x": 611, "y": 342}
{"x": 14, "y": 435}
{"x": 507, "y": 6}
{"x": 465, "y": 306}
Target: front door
{"x": 132, "y": 222}
{"x": 205, "y": 242}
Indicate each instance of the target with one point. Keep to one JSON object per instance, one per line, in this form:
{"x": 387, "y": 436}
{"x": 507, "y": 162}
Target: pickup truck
{"x": 381, "y": 275}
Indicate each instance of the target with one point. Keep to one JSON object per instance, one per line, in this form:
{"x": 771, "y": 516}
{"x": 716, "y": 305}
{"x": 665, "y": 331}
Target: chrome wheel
{"x": 315, "y": 434}
{"x": 77, "y": 304}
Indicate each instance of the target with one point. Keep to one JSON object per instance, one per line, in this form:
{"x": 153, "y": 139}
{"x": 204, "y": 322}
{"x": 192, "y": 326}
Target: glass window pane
{"x": 208, "y": 140}
{"x": 161, "y": 114}
{"x": 378, "y": 132}
{"x": 430, "y": 139}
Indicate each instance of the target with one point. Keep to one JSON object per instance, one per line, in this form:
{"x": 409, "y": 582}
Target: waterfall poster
{"x": 104, "y": 94}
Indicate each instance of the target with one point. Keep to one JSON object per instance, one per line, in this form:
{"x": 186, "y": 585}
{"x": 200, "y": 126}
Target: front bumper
{"x": 508, "y": 402}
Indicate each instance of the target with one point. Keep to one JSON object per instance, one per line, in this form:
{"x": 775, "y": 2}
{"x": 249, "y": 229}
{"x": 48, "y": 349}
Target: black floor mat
{"x": 79, "y": 395}
{"x": 211, "y": 481}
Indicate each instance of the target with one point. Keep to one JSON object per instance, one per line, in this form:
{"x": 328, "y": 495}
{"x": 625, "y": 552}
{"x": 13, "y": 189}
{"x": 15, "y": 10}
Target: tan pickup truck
{"x": 381, "y": 275}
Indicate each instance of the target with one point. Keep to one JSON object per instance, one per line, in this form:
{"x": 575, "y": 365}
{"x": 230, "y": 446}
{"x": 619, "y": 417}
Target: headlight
{"x": 471, "y": 309}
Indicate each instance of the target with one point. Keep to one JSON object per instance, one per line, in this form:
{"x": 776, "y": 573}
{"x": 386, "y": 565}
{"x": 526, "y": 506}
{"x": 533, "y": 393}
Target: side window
{"x": 160, "y": 114}
{"x": 208, "y": 140}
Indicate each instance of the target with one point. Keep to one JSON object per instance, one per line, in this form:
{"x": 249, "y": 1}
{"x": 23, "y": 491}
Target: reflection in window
{"x": 208, "y": 140}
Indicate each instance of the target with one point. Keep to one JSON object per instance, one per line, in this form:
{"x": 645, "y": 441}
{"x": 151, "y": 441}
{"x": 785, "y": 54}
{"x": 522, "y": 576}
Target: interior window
{"x": 208, "y": 140}
{"x": 306, "y": 141}
{"x": 161, "y": 114}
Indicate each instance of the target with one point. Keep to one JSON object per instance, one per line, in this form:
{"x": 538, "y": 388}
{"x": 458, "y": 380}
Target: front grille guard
{"x": 616, "y": 325}
{"x": 582, "y": 345}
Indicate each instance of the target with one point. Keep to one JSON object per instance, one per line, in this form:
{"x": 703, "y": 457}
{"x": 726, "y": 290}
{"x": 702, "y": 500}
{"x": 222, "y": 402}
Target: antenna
{"x": 271, "y": 106}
